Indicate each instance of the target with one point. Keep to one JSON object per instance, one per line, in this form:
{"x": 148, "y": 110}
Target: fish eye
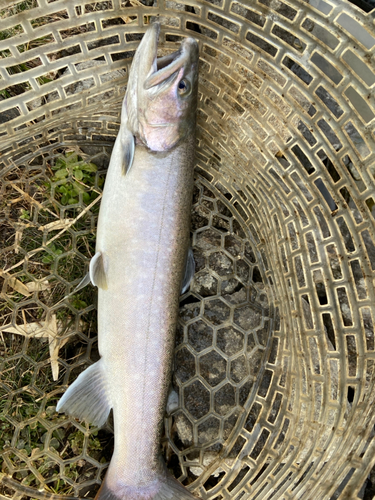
{"x": 184, "y": 87}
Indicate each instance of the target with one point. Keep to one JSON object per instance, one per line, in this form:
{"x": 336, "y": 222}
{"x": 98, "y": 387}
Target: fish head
{"x": 161, "y": 98}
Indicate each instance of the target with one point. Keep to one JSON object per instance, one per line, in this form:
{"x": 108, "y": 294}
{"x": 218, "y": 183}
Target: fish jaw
{"x": 143, "y": 62}
{"x": 161, "y": 99}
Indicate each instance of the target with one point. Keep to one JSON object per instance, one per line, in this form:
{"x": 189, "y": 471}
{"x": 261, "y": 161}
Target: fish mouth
{"x": 166, "y": 66}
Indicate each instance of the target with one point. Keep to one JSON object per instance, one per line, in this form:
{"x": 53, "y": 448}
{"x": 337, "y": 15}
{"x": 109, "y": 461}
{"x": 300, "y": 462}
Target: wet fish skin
{"x": 142, "y": 244}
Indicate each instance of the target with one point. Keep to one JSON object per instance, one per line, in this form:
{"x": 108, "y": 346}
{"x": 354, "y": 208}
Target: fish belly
{"x": 143, "y": 233}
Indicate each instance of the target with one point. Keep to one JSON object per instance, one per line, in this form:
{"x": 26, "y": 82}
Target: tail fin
{"x": 165, "y": 488}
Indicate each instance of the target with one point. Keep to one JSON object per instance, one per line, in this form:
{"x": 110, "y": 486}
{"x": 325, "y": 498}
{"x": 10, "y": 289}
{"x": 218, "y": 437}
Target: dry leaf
{"x": 58, "y": 224}
{"x": 37, "y": 286}
{"x": 18, "y": 286}
{"x": 43, "y": 329}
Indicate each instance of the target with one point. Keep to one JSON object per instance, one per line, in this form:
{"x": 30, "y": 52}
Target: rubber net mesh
{"x": 274, "y": 362}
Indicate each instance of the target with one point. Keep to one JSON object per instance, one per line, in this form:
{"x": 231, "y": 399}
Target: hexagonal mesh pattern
{"x": 274, "y": 363}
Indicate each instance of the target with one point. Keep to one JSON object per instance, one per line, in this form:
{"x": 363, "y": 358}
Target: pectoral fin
{"x": 128, "y": 147}
{"x": 87, "y": 398}
{"x": 98, "y": 271}
{"x": 189, "y": 271}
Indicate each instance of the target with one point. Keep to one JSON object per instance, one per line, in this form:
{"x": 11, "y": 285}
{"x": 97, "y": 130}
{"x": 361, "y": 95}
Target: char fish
{"x": 141, "y": 263}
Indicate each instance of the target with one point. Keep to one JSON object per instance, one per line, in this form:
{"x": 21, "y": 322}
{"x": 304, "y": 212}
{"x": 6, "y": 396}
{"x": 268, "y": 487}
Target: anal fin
{"x": 87, "y": 397}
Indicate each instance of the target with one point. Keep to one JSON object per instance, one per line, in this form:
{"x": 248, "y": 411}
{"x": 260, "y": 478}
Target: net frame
{"x": 285, "y": 144}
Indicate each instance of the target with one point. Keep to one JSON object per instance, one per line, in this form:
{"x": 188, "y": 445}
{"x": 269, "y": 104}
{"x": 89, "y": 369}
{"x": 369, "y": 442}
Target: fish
{"x": 143, "y": 262}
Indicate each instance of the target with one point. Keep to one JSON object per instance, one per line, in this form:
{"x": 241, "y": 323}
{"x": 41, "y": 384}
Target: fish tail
{"x": 166, "y": 487}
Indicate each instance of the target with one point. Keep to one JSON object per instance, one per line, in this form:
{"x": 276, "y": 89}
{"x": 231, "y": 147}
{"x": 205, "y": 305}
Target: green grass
{"x": 74, "y": 176}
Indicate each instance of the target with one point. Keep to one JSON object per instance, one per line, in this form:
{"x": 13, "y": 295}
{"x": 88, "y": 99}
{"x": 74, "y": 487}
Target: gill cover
{"x": 161, "y": 98}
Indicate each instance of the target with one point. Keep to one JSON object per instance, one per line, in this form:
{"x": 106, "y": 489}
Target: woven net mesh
{"x": 274, "y": 364}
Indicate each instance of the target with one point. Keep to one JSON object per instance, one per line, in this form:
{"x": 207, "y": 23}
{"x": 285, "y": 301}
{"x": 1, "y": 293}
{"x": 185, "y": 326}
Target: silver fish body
{"x": 149, "y": 214}
{"x": 141, "y": 253}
